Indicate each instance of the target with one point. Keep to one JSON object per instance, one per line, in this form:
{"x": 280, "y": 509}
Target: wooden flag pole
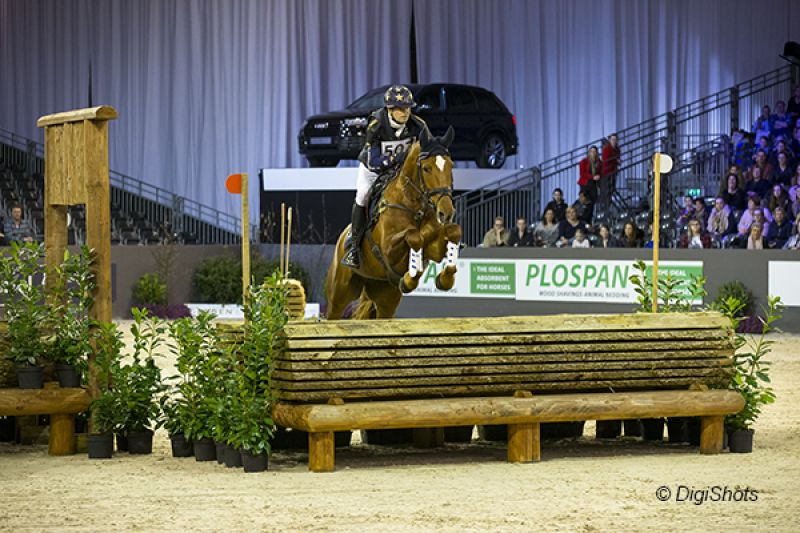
{"x": 288, "y": 242}
{"x": 283, "y": 237}
{"x": 245, "y": 237}
{"x": 656, "y": 224}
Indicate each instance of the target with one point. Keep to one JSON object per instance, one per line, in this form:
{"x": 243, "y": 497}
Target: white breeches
{"x": 364, "y": 183}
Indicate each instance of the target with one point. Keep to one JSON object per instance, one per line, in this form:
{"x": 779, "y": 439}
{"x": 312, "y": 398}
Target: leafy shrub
{"x": 150, "y": 289}
{"x": 219, "y": 279}
{"x": 737, "y": 290}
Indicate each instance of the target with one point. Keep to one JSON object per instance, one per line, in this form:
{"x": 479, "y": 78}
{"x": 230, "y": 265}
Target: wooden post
{"x": 245, "y": 237}
{"x": 523, "y": 439}
{"x": 321, "y": 451}
{"x": 76, "y": 172}
{"x": 656, "y": 224}
{"x": 62, "y": 435}
{"x": 711, "y": 434}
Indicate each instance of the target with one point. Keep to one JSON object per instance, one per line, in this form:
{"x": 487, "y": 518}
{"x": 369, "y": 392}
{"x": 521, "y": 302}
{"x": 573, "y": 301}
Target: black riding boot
{"x": 359, "y": 224}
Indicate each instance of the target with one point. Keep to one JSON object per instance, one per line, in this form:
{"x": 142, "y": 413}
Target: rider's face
{"x": 400, "y": 114}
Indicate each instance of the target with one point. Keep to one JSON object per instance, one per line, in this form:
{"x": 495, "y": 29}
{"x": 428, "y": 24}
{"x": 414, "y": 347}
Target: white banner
{"x": 784, "y": 281}
{"x": 557, "y": 280}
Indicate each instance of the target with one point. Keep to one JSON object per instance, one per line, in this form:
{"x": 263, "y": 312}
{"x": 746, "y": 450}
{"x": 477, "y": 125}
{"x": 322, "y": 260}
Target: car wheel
{"x": 492, "y": 152}
{"x": 322, "y": 162}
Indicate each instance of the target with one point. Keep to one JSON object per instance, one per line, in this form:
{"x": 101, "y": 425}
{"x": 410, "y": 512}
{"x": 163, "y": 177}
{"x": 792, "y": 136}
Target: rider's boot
{"x": 352, "y": 258}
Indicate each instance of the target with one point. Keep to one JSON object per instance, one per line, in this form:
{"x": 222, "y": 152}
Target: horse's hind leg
{"x": 385, "y": 297}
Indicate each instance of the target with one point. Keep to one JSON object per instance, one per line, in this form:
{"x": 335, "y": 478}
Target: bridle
{"x": 427, "y": 198}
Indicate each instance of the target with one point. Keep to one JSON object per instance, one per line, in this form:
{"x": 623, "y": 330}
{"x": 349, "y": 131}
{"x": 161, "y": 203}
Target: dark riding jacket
{"x": 383, "y": 148}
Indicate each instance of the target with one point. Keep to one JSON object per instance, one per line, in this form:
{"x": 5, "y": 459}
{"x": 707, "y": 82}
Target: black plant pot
{"x": 101, "y": 446}
{"x": 122, "y": 442}
{"x": 608, "y": 429}
{"x": 219, "y": 447}
{"x": 233, "y": 457}
{"x": 30, "y": 377}
{"x": 68, "y": 377}
{"x": 653, "y": 429}
{"x": 7, "y": 428}
{"x": 561, "y": 430}
{"x": 181, "y": 446}
{"x": 140, "y": 442}
{"x": 741, "y": 441}
{"x": 204, "y": 450}
{"x": 254, "y": 463}
{"x": 493, "y": 433}
{"x": 632, "y": 428}
{"x": 693, "y": 431}
{"x": 677, "y": 430}
{"x": 458, "y": 434}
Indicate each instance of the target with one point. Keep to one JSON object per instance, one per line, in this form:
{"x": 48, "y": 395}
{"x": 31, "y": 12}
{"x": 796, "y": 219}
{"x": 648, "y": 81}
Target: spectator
{"x": 498, "y": 235}
{"x": 590, "y": 168}
{"x": 793, "y": 108}
{"x": 567, "y": 227}
{"x": 546, "y": 231}
{"x": 521, "y": 236}
{"x": 794, "y": 241}
{"x": 742, "y": 147}
{"x": 757, "y": 185}
{"x": 700, "y": 210}
{"x": 762, "y": 162}
{"x": 687, "y": 211}
{"x": 794, "y": 143}
{"x": 781, "y": 120}
{"x": 782, "y": 172}
{"x": 608, "y": 169}
{"x": 779, "y": 230}
{"x": 781, "y": 146}
{"x": 778, "y": 198}
{"x": 720, "y": 221}
{"x": 734, "y": 196}
{"x": 763, "y": 124}
{"x": 794, "y": 190}
{"x": 16, "y": 229}
{"x": 695, "y": 237}
{"x": 794, "y": 207}
{"x": 558, "y": 205}
{"x": 631, "y": 236}
{"x": 580, "y": 240}
{"x": 747, "y": 217}
{"x": 756, "y": 239}
{"x": 605, "y": 239}
{"x": 584, "y": 208}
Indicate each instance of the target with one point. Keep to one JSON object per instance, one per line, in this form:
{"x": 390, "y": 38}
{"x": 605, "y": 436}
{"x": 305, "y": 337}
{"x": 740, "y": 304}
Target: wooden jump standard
{"x": 519, "y": 371}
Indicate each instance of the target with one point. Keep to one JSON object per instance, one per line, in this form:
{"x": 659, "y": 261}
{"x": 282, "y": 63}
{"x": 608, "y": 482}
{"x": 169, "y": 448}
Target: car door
{"x": 462, "y": 113}
{"x": 430, "y": 107}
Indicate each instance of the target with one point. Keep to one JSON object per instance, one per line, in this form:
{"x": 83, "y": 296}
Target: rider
{"x": 391, "y": 131}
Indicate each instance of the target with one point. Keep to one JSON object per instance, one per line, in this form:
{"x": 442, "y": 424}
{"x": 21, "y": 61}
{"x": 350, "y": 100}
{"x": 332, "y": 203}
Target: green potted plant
{"x": 747, "y": 321}
{"x": 71, "y": 297}
{"x": 139, "y": 383}
{"x": 107, "y": 409}
{"x": 25, "y": 310}
{"x": 172, "y": 410}
{"x": 751, "y": 374}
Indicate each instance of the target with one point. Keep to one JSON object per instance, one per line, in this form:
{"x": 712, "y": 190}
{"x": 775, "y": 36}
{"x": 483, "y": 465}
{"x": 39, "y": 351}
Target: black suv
{"x": 486, "y": 132}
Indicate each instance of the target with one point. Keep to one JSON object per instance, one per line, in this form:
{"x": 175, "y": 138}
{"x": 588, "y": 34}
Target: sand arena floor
{"x": 580, "y": 485}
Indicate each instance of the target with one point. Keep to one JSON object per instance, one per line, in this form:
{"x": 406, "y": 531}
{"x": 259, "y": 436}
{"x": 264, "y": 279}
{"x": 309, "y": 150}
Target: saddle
{"x": 374, "y": 202}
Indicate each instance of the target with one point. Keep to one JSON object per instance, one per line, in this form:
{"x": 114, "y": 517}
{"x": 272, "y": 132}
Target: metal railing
{"x": 133, "y": 196}
{"x": 690, "y": 134}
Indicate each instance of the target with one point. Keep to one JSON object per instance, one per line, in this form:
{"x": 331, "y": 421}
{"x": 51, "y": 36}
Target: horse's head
{"x": 431, "y": 168}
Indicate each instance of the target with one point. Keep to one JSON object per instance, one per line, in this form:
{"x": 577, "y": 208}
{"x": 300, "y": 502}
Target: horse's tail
{"x": 365, "y": 309}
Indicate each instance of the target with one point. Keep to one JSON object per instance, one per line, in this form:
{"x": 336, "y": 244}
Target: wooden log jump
{"x": 516, "y": 371}
{"x": 60, "y": 404}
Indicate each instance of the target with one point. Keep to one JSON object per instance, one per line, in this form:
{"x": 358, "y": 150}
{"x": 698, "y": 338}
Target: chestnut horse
{"x": 415, "y": 225}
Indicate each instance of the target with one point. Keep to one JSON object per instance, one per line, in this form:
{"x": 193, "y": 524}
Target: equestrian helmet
{"x": 398, "y": 96}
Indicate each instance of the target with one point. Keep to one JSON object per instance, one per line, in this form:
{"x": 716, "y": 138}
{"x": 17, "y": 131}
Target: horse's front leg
{"x": 447, "y": 277}
{"x": 415, "y": 242}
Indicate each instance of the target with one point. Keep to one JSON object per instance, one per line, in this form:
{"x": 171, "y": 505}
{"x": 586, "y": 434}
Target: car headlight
{"x": 359, "y": 121}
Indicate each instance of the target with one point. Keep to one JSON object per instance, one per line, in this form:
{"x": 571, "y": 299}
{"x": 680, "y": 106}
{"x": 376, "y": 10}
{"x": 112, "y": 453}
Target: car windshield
{"x": 370, "y": 101}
